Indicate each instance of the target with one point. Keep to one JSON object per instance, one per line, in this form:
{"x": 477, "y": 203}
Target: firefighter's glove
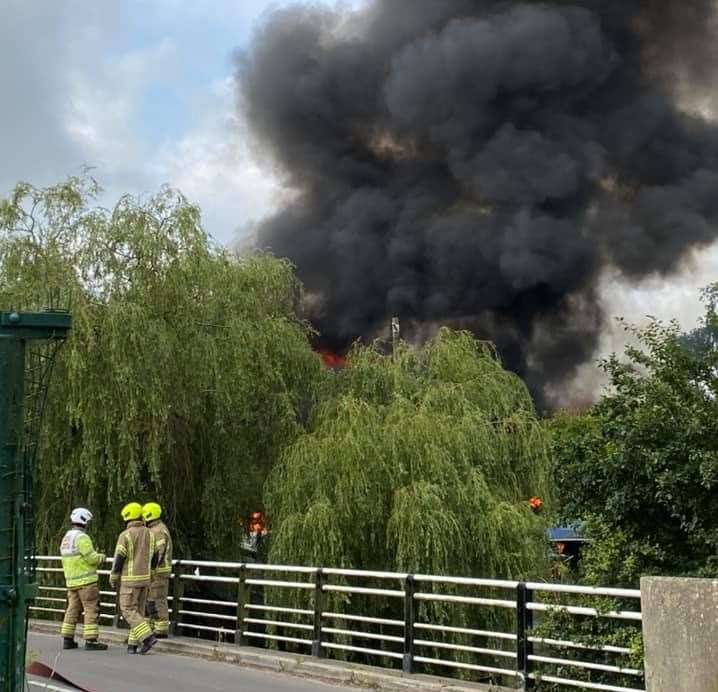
{"x": 114, "y": 579}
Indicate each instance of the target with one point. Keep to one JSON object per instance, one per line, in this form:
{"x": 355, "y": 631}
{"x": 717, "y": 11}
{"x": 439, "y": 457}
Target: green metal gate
{"x": 28, "y": 344}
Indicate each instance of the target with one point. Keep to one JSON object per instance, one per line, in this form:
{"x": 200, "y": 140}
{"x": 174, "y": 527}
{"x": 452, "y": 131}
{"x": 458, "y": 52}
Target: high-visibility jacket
{"x": 163, "y": 544}
{"x": 80, "y": 560}
{"x": 134, "y": 555}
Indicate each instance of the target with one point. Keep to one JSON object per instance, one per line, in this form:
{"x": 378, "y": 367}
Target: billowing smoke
{"x": 480, "y": 163}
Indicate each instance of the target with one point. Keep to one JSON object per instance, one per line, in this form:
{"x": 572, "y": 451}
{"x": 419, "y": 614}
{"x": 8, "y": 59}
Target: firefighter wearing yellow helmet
{"x": 157, "y": 608}
{"x": 135, "y": 558}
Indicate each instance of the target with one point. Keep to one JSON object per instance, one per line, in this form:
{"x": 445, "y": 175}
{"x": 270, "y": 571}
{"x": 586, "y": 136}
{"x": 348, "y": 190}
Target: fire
{"x": 332, "y": 360}
{"x": 257, "y": 524}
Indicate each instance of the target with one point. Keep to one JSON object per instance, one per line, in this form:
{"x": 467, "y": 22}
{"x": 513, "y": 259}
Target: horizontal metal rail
{"x": 364, "y": 635}
{"x": 467, "y": 581}
{"x": 465, "y": 630}
{"x": 251, "y": 614}
{"x": 277, "y": 609}
{"x": 580, "y": 610}
{"x": 279, "y": 623}
{"x": 208, "y": 563}
{"x": 205, "y": 601}
{"x": 277, "y": 638}
{"x": 362, "y": 618}
{"x": 464, "y": 647}
{"x": 280, "y": 568}
{"x": 467, "y": 666}
{"x": 362, "y": 590}
{"x": 46, "y": 610}
{"x": 583, "y": 685}
{"x": 588, "y": 666}
{"x": 211, "y": 616}
{"x": 562, "y": 643}
{"x": 362, "y": 650}
{"x": 208, "y": 578}
{"x": 584, "y": 590}
{"x": 363, "y": 573}
{"x": 468, "y": 600}
{"x": 205, "y": 628}
{"x": 280, "y": 584}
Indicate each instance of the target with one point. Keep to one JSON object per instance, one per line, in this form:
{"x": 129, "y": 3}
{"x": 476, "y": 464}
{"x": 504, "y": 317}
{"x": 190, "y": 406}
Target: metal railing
{"x": 384, "y": 618}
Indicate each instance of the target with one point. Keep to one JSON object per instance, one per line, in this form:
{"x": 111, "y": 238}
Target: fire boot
{"x": 132, "y": 648}
{"x": 94, "y": 645}
{"x": 148, "y": 644}
{"x": 69, "y": 643}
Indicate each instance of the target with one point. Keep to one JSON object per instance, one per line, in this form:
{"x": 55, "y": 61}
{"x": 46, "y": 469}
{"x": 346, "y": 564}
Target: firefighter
{"x": 157, "y": 608}
{"x": 135, "y": 558}
{"x": 80, "y": 561}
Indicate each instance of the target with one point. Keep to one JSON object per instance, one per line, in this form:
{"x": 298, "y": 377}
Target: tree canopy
{"x": 641, "y": 467}
{"x": 186, "y": 371}
{"x": 421, "y": 461}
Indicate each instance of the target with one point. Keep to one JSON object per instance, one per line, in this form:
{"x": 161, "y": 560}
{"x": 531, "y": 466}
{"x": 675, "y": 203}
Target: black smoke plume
{"x": 479, "y": 163}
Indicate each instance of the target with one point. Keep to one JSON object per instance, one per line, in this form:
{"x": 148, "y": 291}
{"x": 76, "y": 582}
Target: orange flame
{"x": 332, "y": 360}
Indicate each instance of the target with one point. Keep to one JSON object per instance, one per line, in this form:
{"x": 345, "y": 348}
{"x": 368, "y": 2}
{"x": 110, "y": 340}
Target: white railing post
{"x": 317, "y": 649}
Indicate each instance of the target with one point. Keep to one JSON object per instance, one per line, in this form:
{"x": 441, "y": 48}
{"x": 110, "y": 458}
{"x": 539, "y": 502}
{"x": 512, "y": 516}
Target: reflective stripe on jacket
{"x": 163, "y": 544}
{"x": 80, "y": 560}
{"x": 136, "y": 545}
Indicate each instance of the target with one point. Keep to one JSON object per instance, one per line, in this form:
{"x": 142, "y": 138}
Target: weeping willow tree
{"x": 187, "y": 369}
{"x": 421, "y": 462}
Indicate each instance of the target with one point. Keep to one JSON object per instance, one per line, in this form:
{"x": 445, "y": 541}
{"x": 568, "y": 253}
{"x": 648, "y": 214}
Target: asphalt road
{"x": 116, "y": 671}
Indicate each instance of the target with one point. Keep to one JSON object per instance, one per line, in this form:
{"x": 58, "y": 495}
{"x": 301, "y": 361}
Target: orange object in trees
{"x": 536, "y": 504}
{"x": 257, "y": 524}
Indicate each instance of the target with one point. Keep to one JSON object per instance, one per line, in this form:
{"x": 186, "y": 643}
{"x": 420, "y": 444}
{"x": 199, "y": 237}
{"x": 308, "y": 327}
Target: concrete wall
{"x": 680, "y": 632}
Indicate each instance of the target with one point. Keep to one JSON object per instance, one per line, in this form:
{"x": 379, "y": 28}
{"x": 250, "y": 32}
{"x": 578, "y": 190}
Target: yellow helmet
{"x": 151, "y": 511}
{"x": 132, "y": 511}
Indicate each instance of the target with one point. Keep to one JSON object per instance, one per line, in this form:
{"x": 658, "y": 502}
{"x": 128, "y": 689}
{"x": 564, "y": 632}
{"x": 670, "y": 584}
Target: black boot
{"x": 132, "y": 648}
{"x": 69, "y": 643}
{"x": 94, "y": 645}
{"x": 162, "y": 635}
{"x": 148, "y": 644}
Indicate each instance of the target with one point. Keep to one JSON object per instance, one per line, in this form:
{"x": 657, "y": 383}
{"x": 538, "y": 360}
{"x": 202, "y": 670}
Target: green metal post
{"x": 16, "y": 587}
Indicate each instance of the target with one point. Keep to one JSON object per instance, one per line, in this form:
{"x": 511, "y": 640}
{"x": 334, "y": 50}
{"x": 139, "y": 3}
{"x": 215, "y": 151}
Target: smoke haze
{"x": 483, "y": 164}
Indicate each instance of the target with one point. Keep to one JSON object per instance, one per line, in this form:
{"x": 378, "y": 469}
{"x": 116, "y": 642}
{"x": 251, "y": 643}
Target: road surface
{"x": 116, "y": 671}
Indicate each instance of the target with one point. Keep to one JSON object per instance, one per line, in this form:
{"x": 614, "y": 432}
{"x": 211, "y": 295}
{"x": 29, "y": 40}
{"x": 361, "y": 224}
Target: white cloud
{"x": 213, "y": 165}
{"x": 104, "y": 103}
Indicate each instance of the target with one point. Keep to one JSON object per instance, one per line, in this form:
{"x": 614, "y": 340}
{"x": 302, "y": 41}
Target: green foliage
{"x": 424, "y": 462}
{"x": 421, "y": 462}
{"x": 641, "y": 468}
{"x": 186, "y": 371}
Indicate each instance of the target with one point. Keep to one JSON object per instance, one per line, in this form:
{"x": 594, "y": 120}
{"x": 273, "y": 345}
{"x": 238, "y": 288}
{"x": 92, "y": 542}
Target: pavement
{"x": 186, "y": 663}
{"x": 115, "y": 671}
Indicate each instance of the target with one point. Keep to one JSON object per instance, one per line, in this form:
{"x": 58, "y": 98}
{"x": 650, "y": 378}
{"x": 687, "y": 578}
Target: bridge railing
{"x": 484, "y": 629}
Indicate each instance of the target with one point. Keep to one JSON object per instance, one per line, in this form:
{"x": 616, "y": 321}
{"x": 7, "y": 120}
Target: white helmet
{"x": 80, "y": 516}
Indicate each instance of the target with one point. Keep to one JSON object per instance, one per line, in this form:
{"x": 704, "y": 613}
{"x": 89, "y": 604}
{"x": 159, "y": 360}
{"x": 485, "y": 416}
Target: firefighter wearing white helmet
{"x": 80, "y": 561}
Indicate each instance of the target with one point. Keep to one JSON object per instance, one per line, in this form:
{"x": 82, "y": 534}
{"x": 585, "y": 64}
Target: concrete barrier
{"x": 680, "y": 633}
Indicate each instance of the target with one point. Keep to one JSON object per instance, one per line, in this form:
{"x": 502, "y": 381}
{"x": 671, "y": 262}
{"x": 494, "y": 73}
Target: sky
{"x": 142, "y": 92}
